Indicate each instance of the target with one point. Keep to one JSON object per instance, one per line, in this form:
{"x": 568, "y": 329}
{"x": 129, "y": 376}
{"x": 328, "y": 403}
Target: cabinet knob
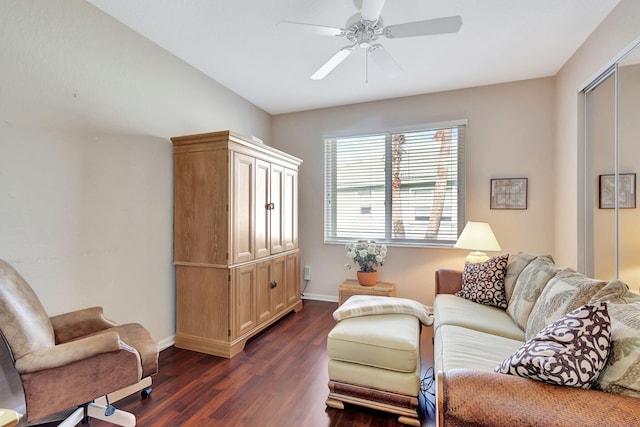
{"x": 270, "y": 206}
{"x": 274, "y": 284}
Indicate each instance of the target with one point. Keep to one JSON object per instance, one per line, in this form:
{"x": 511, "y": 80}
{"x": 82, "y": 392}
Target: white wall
{"x": 510, "y": 134}
{"x": 618, "y": 30}
{"x": 87, "y": 108}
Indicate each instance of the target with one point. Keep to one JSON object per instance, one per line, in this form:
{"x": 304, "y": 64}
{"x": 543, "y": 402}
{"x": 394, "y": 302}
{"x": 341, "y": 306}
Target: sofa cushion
{"x": 452, "y": 310}
{"x": 483, "y": 282}
{"x": 458, "y": 347}
{"x": 622, "y": 372}
{"x": 387, "y": 341}
{"x": 572, "y": 351}
{"x": 515, "y": 265}
{"x": 565, "y": 292}
{"x": 531, "y": 281}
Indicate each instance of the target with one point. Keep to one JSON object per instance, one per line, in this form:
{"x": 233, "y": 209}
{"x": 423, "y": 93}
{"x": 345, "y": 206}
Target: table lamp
{"x": 477, "y": 237}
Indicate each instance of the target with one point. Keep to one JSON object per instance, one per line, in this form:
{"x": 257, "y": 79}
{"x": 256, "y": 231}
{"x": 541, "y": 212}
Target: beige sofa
{"x": 471, "y": 340}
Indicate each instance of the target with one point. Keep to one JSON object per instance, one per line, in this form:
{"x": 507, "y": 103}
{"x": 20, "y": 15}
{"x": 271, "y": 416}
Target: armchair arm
{"x": 467, "y": 397}
{"x": 79, "y": 323}
{"x": 74, "y": 351}
{"x": 448, "y": 281}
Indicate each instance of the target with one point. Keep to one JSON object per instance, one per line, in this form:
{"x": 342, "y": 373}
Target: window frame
{"x": 329, "y": 224}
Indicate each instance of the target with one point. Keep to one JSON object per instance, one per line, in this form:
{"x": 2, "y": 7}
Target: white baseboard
{"x": 316, "y": 297}
{"x": 167, "y": 342}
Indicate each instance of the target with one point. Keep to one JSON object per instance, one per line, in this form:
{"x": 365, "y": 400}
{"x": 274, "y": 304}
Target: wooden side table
{"x": 352, "y": 287}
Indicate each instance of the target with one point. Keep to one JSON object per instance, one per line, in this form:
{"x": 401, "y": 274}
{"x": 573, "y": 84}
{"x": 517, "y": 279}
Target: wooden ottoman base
{"x": 400, "y": 404}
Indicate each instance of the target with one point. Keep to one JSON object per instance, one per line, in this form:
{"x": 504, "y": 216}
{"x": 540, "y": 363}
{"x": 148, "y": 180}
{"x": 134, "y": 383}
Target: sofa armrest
{"x": 467, "y": 397}
{"x": 448, "y": 281}
{"x": 69, "y": 326}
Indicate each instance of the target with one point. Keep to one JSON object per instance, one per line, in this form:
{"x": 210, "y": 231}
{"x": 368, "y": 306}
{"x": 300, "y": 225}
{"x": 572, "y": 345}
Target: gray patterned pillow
{"x": 516, "y": 264}
{"x": 616, "y": 291}
{"x": 531, "y": 281}
{"x": 622, "y": 372}
{"x": 572, "y": 351}
{"x": 567, "y": 291}
{"x": 483, "y": 282}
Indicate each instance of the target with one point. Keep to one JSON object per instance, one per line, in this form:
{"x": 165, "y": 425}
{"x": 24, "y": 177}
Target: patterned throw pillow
{"x": 621, "y": 374}
{"x": 516, "y": 264}
{"x": 616, "y": 291}
{"x": 567, "y": 291}
{"x": 483, "y": 282}
{"x": 572, "y": 351}
{"x": 531, "y": 281}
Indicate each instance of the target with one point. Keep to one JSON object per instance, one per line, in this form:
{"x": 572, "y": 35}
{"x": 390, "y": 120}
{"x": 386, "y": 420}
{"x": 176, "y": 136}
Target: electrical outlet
{"x": 307, "y": 273}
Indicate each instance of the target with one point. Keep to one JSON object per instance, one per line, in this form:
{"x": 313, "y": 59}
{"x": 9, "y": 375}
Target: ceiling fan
{"x": 363, "y": 30}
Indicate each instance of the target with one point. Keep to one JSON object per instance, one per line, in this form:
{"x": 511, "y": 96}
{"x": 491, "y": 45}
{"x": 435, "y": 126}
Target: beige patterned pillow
{"x": 622, "y": 373}
{"x": 616, "y": 291}
{"x": 564, "y": 293}
{"x": 516, "y": 264}
{"x": 529, "y": 286}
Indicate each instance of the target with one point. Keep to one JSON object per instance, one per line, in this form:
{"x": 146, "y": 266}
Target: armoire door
{"x": 290, "y": 210}
{"x": 292, "y": 279}
{"x": 278, "y": 285}
{"x": 242, "y": 195}
{"x": 263, "y": 301}
{"x": 277, "y": 186}
{"x": 262, "y": 209}
{"x": 244, "y": 282}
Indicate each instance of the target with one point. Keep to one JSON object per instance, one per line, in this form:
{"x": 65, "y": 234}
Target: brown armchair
{"x": 70, "y": 360}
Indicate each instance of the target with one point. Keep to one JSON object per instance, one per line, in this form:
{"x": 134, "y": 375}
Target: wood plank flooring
{"x": 279, "y": 380}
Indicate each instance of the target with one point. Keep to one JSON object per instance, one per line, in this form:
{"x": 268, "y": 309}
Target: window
{"x": 396, "y": 187}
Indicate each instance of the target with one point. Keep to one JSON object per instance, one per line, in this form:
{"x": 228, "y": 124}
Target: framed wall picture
{"x": 509, "y": 193}
{"x": 626, "y": 191}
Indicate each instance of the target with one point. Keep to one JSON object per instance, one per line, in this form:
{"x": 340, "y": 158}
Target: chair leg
{"x": 127, "y": 391}
{"x": 121, "y": 418}
{"x": 73, "y": 419}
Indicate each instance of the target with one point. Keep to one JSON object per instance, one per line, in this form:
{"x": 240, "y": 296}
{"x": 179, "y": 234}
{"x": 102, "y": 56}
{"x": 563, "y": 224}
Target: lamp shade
{"x": 477, "y": 236}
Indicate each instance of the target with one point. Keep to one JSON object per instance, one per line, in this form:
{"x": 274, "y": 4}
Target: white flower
{"x": 347, "y": 267}
{"x": 367, "y": 254}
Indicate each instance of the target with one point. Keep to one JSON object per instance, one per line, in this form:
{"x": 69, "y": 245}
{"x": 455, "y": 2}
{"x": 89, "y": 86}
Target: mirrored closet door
{"x": 612, "y": 163}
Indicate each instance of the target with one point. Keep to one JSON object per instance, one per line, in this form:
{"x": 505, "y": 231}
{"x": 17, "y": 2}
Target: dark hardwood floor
{"x": 279, "y": 380}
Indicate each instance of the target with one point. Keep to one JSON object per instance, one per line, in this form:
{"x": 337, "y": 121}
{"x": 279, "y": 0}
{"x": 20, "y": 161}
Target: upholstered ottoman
{"x": 374, "y": 361}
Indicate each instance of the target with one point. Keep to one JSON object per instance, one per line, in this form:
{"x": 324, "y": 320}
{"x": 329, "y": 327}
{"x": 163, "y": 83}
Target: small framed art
{"x": 626, "y": 191}
{"x": 509, "y": 193}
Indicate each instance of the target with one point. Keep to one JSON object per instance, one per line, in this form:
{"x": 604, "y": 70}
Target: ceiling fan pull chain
{"x": 366, "y": 66}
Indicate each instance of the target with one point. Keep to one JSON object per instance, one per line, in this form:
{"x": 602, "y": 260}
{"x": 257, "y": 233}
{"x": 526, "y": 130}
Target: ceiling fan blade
{"x": 332, "y": 63}
{"x": 428, "y": 27}
{"x": 371, "y": 9}
{"x": 321, "y": 30}
{"x": 384, "y": 60}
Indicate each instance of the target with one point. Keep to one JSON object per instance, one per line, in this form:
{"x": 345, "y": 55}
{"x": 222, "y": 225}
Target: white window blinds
{"x": 397, "y": 187}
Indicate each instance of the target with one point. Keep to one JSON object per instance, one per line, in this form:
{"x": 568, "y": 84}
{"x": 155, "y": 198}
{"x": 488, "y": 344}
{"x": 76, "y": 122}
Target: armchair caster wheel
{"x": 146, "y": 392}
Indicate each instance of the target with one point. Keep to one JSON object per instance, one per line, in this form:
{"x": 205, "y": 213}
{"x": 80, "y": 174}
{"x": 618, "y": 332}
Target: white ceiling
{"x": 238, "y": 43}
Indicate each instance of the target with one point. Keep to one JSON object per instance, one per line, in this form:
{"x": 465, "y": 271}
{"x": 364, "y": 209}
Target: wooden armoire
{"x": 235, "y": 240}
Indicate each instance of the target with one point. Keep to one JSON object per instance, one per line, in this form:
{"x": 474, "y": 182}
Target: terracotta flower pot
{"x": 368, "y": 278}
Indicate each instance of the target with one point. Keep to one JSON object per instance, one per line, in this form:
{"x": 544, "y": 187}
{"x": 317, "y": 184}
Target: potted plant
{"x": 368, "y": 255}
